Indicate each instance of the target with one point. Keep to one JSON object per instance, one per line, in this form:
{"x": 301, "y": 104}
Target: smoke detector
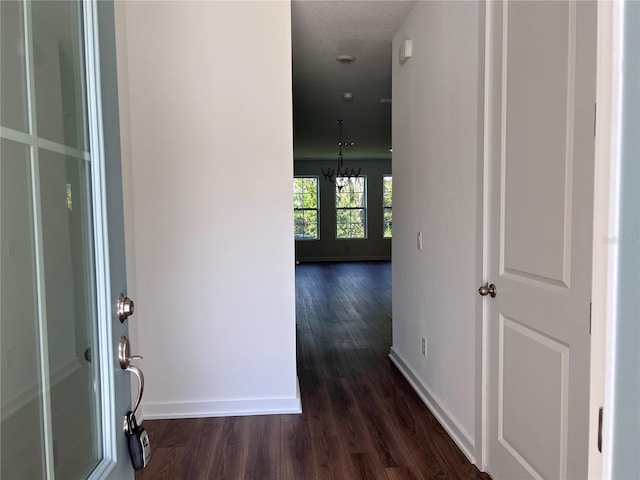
{"x": 347, "y": 96}
{"x": 345, "y": 58}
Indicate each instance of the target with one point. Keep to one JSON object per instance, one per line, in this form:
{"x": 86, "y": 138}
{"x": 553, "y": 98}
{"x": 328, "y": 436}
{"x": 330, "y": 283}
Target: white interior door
{"x": 63, "y": 395}
{"x": 540, "y": 149}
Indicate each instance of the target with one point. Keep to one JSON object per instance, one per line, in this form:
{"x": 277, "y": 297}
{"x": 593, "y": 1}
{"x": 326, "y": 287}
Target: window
{"x": 305, "y": 208}
{"x": 351, "y": 208}
{"x": 387, "y": 198}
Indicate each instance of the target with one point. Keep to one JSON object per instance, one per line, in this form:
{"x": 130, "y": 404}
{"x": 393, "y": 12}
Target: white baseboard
{"x": 343, "y": 259}
{"x": 222, "y": 408}
{"x": 453, "y": 428}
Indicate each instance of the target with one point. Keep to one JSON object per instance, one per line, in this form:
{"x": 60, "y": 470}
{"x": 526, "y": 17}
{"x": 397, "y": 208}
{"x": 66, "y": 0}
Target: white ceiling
{"x": 322, "y": 30}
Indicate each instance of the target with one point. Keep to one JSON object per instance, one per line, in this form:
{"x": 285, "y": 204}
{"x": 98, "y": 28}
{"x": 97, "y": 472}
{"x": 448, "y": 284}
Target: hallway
{"x": 361, "y": 419}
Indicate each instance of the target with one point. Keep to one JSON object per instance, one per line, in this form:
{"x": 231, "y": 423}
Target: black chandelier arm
{"x": 328, "y": 173}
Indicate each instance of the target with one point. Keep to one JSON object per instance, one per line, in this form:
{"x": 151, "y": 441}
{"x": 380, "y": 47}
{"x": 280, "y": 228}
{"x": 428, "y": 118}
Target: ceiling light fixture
{"x": 347, "y": 96}
{"x": 341, "y": 175}
{"x": 346, "y": 58}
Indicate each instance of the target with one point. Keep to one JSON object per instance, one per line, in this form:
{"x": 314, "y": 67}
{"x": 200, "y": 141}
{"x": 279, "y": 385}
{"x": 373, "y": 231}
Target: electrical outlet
{"x": 419, "y": 240}
{"x": 424, "y": 347}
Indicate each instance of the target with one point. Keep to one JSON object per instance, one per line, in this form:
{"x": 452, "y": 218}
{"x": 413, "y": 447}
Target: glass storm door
{"x": 62, "y": 397}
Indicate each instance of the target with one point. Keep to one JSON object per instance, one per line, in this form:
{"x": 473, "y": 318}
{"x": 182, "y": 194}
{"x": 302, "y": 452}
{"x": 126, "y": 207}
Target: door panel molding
{"x": 553, "y": 414}
{"x": 537, "y": 234}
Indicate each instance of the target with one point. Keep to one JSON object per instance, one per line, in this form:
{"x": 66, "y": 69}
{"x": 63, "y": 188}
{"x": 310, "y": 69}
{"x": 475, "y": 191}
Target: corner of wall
{"x": 448, "y": 421}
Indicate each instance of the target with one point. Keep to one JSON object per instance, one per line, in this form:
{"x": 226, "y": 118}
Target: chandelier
{"x": 341, "y": 175}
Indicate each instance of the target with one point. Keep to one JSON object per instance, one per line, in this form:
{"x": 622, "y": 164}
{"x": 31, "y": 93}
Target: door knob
{"x": 487, "y": 289}
{"x": 125, "y": 307}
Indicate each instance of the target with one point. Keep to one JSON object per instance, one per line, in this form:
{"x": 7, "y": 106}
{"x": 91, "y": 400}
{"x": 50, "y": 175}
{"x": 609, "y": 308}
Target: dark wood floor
{"x": 361, "y": 418}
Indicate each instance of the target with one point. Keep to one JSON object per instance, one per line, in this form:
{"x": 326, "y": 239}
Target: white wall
{"x": 207, "y": 153}
{"x": 437, "y": 151}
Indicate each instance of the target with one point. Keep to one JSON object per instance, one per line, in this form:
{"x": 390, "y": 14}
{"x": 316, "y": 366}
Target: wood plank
{"x": 199, "y": 457}
{"x": 404, "y": 473}
{"x": 165, "y": 463}
{"x": 296, "y": 452}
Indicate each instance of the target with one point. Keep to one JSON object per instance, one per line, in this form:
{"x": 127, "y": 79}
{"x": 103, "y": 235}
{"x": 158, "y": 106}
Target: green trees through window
{"x": 305, "y": 208}
{"x": 387, "y": 199}
{"x": 351, "y": 209}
